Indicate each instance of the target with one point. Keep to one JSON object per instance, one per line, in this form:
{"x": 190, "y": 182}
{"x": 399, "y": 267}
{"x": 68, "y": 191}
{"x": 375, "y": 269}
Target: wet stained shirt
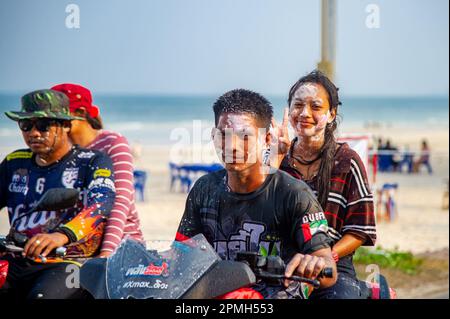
{"x": 282, "y": 217}
{"x": 349, "y": 208}
{"x": 23, "y": 183}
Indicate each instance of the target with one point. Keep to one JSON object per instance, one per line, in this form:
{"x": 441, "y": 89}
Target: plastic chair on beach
{"x": 174, "y": 175}
{"x": 188, "y": 174}
{"x": 140, "y": 178}
{"x": 386, "y": 206}
{"x": 385, "y": 163}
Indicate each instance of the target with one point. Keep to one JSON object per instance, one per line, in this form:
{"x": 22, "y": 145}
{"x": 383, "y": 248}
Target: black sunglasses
{"x": 42, "y": 125}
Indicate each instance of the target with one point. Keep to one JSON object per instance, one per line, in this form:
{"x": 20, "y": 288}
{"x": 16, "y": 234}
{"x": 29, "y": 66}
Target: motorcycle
{"x": 54, "y": 199}
{"x": 190, "y": 269}
{"x": 14, "y": 243}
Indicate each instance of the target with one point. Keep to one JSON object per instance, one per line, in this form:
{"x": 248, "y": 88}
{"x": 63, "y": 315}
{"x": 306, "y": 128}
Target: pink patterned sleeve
{"x": 120, "y": 154}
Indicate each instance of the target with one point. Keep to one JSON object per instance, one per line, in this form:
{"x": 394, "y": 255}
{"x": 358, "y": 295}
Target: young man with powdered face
{"x": 247, "y": 207}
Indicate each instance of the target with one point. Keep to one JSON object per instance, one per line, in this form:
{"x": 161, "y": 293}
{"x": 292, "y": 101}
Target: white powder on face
{"x": 307, "y": 90}
{"x": 238, "y": 123}
{"x": 310, "y": 131}
{"x": 316, "y": 132}
{"x": 322, "y": 122}
{"x": 304, "y": 112}
{"x": 238, "y": 126}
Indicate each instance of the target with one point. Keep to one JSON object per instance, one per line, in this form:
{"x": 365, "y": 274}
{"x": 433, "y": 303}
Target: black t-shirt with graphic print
{"x": 281, "y": 218}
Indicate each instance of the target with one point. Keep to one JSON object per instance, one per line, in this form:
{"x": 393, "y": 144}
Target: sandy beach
{"x": 422, "y": 225}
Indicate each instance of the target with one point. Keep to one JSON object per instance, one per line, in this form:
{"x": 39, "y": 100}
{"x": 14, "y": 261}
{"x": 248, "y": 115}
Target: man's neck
{"x": 246, "y": 181}
{"x": 85, "y": 137}
{"x": 54, "y": 155}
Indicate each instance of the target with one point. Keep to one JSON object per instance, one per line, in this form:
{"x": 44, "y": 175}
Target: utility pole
{"x": 328, "y": 40}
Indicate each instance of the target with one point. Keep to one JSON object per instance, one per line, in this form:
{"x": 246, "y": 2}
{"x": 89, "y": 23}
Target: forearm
{"x": 83, "y": 224}
{"x": 123, "y": 173}
{"x": 114, "y": 229}
{"x": 347, "y": 245}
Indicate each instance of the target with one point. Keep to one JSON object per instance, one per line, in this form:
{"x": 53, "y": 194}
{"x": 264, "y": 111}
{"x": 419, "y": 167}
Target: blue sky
{"x": 210, "y": 46}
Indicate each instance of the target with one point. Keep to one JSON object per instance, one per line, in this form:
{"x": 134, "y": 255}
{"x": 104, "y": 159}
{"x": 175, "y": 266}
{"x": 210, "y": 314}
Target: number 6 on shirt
{"x": 40, "y": 185}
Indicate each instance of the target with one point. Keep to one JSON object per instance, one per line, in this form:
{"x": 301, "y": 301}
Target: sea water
{"x": 153, "y": 119}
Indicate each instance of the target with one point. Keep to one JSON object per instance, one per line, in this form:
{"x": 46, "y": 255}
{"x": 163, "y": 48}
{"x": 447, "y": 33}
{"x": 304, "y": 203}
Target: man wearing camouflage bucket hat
{"x": 51, "y": 161}
{"x": 44, "y": 109}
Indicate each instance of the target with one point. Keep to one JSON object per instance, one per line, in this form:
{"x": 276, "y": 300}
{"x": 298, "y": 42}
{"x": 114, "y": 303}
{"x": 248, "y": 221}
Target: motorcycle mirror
{"x": 57, "y": 199}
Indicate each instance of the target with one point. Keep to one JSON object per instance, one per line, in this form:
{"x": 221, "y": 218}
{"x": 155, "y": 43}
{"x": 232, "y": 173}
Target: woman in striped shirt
{"x": 333, "y": 170}
{"x": 124, "y": 219}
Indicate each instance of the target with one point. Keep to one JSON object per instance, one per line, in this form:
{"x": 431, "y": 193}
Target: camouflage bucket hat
{"x": 43, "y": 104}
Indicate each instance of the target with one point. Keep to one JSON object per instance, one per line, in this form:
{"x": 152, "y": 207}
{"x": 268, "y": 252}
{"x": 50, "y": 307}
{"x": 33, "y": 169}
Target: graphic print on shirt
{"x": 70, "y": 176}
{"x": 19, "y": 182}
{"x": 37, "y": 222}
{"x": 250, "y": 237}
{"x": 40, "y": 185}
{"x": 85, "y": 154}
{"x": 313, "y": 223}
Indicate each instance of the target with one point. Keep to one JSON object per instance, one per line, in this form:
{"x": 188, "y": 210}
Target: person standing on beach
{"x": 89, "y": 133}
{"x": 51, "y": 161}
{"x": 424, "y": 158}
{"x": 333, "y": 170}
{"x": 246, "y": 208}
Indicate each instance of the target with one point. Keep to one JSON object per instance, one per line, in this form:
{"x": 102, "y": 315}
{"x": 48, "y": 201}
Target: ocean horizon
{"x": 151, "y": 119}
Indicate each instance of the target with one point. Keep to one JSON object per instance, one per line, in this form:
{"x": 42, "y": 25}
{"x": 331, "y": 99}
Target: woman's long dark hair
{"x": 95, "y": 122}
{"x": 329, "y": 147}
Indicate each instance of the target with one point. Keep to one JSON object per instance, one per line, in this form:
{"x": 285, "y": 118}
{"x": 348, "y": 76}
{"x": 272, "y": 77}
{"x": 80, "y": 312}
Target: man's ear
{"x": 269, "y": 137}
{"x": 67, "y": 126}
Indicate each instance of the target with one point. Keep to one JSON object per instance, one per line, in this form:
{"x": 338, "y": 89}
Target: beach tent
{"x": 360, "y": 144}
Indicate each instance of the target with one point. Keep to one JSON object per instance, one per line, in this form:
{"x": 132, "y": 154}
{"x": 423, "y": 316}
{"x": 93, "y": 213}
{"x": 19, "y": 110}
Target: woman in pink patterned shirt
{"x": 124, "y": 219}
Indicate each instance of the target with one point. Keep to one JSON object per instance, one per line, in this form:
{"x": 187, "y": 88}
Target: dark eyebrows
{"x": 249, "y": 132}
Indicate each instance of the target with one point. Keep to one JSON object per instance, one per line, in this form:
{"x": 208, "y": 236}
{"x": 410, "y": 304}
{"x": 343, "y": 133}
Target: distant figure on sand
{"x": 136, "y": 151}
{"x": 424, "y": 158}
{"x": 407, "y": 160}
{"x": 445, "y": 197}
{"x": 89, "y": 133}
{"x": 393, "y": 158}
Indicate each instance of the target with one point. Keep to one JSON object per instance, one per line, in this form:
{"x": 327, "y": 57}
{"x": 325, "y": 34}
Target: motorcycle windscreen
{"x": 134, "y": 272}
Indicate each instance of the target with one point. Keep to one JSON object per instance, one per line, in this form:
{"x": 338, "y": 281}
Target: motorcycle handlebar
{"x": 11, "y": 247}
{"x": 325, "y": 273}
